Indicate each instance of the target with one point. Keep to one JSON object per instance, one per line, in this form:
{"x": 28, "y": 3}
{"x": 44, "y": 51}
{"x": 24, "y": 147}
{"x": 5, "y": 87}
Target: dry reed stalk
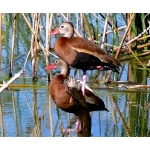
{"x": 25, "y": 63}
{"x": 29, "y": 25}
{"x": 50, "y": 113}
{"x": 49, "y": 19}
{"x": 13, "y": 46}
{"x": 125, "y": 34}
{"x": 137, "y": 58}
{"x": 120, "y": 46}
{"x": 0, "y": 41}
{"x": 145, "y": 54}
{"x": 32, "y": 46}
{"x": 67, "y": 16}
{"x": 113, "y": 116}
{"x": 143, "y": 38}
{"x": 82, "y": 25}
{"x": 45, "y": 51}
{"x": 138, "y": 86}
{"x": 90, "y": 36}
{"x": 1, "y": 118}
{"x": 137, "y": 37}
{"x": 129, "y": 34}
{"x": 5, "y": 85}
{"x": 113, "y": 46}
{"x": 68, "y": 119}
{"x": 26, "y": 98}
{"x": 104, "y": 32}
{"x": 125, "y": 20}
{"x": 123, "y": 50}
{"x": 121, "y": 118}
{"x": 98, "y": 18}
{"x": 116, "y": 29}
{"x": 76, "y": 32}
{"x": 44, "y": 111}
{"x": 15, "y": 115}
{"x": 35, "y": 45}
{"x": 143, "y": 45}
{"x": 77, "y": 22}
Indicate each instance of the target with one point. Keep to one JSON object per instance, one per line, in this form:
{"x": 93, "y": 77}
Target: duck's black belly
{"x": 86, "y": 61}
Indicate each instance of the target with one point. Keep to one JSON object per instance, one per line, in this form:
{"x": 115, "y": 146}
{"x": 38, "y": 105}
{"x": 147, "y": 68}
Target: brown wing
{"x": 83, "y": 45}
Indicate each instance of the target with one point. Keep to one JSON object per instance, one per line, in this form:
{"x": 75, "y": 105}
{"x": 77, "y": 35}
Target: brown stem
{"x": 13, "y": 46}
{"x": 1, "y": 119}
{"x": 0, "y": 41}
{"x": 120, "y": 46}
{"x": 104, "y": 32}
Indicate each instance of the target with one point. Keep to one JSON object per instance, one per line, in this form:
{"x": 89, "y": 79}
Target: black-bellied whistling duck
{"x": 65, "y": 100}
{"x": 81, "y": 53}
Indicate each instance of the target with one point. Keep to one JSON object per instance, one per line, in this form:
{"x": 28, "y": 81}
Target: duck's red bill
{"x": 56, "y": 31}
{"x": 50, "y": 67}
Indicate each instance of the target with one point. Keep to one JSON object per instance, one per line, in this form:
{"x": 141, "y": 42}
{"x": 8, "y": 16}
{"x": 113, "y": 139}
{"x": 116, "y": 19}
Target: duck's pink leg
{"x": 83, "y": 85}
{"x": 71, "y": 99}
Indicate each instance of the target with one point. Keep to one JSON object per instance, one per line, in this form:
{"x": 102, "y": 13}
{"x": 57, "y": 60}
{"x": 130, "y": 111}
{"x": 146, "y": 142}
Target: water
{"x": 26, "y": 108}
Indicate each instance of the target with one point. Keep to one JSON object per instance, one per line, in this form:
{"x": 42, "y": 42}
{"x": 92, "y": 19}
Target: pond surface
{"x": 29, "y": 111}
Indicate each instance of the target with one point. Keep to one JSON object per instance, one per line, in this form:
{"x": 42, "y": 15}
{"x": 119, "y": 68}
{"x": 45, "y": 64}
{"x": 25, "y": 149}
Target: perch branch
{"x": 5, "y": 85}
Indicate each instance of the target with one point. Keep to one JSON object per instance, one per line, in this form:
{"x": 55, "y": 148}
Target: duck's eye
{"x": 61, "y": 27}
{"x": 56, "y": 61}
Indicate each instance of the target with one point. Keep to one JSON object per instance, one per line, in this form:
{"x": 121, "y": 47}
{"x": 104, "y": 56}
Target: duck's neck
{"x": 69, "y": 34}
{"x": 62, "y": 76}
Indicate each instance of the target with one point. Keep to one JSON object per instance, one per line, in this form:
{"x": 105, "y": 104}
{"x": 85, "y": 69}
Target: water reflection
{"x": 31, "y": 112}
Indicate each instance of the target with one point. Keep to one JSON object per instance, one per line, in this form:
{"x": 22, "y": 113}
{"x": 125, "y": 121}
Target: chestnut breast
{"x": 60, "y": 95}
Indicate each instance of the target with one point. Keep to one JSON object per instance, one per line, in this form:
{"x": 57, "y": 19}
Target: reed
{"x": 13, "y": 46}
{"x": 1, "y": 119}
{"x": 115, "y": 127}
{"x": 0, "y": 41}
{"x": 15, "y": 114}
{"x": 87, "y": 26}
{"x": 50, "y": 114}
{"x": 104, "y": 32}
{"x": 37, "y": 128}
{"x": 120, "y": 46}
{"x": 121, "y": 118}
{"x": 82, "y": 25}
{"x": 35, "y": 46}
{"x": 48, "y": 38}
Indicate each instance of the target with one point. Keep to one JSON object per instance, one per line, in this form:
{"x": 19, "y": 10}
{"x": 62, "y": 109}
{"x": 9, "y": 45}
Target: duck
{"x": 73, "y": 102}
{"x": 81, "y": 53}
